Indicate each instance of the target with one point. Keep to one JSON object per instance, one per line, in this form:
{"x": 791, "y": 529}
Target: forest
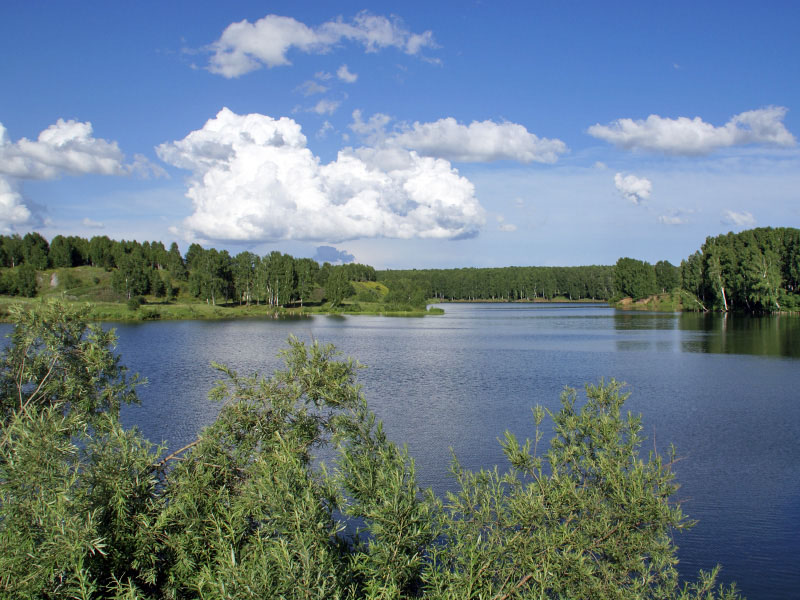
{"x": 150, "y": 269}
{"x": 754, "y": 271}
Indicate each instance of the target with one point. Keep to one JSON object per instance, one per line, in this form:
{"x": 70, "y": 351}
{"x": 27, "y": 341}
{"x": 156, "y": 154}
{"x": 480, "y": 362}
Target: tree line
{"x": 508, "y": 283}
{"x": 279, "y": 279}
{"x": 90, "y": 509}
{"x": 275, "y": 279}
{"x": 639, "y": 279}
{"x": 757, "y": 271}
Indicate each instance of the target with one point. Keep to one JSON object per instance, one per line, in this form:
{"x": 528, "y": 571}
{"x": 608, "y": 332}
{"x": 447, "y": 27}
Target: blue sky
{"x": 412, "y": 134}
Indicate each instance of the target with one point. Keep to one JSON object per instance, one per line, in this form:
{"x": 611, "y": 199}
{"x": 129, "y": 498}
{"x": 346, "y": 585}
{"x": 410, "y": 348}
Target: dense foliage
{"x": 89, "y": 509}
{"x": 509, "y": 283}
{"x": 215, "y": 276}
{"x": 757, "y": 270}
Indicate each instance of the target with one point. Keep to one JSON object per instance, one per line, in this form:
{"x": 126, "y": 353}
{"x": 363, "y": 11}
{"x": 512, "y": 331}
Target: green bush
{"x": 134, "y": 303}
{"x": 89, "y": 509}
{"x": 368, "y": 295}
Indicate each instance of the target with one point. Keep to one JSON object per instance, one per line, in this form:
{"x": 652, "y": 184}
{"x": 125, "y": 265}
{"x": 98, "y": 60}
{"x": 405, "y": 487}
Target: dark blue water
{"x": 725, "y": 391}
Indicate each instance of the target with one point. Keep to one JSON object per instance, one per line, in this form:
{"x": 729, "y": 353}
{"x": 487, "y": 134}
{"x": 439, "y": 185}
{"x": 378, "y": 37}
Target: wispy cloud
{"x": 738, "y": 219}
{"x": 87, "y": 222}
{"x": 311, "y": 87}
{"x": 325, "y": 107}
{"x": 244, "y": 47}
{"x": 503, "y": 226}
{"x": 673, "y": 219}
{"x": 345, "y": 75}
{"x": 323, "y": 131}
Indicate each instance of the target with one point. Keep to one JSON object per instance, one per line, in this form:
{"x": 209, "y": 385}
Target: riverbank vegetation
{"x": 90, "y": 509}
{"x": 128, "y": 280}
{"x": 755, "y": 271}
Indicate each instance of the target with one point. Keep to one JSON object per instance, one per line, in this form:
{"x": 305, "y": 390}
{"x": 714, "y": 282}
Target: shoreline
{"x": 117, "y": 312}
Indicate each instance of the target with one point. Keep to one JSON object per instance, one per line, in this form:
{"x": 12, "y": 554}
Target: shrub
{"x": 134, "y": 303}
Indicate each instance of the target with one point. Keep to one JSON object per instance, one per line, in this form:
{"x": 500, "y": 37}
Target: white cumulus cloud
{"x": 253, "y": 178}
{"x": 345, "y": 75}
{"x": 65, "y": 147}
{"x": 245, "y": 46}
{"x": 480, "y": 141}
{"x": 738, "y": 219}
{"x": 633, "y": 188}
{"x": 691, "y": 137}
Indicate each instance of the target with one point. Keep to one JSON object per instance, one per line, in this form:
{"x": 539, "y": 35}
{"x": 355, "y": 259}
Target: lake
{"x": 723, "y": 390}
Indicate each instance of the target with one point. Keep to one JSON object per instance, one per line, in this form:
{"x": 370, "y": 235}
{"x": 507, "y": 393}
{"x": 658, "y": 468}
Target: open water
{"x": 724, "y": 390}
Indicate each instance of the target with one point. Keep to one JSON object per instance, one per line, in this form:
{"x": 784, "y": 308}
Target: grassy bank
{"x": 155, "y": 311}
{"x": 92, "y": 285}
{"x": 669, "y": 302}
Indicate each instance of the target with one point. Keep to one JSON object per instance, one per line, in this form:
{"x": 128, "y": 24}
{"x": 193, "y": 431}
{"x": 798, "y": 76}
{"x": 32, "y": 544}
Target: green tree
{"x": 337, "y": 287}
{"x": 405, "y": 295}
{"x": 245, "y": 265}
{"x": 72, "y": 481}
{"x": 692, "y": 279}
{"x": 12, "y": 250}
{"x": 211, "y": 275}
{"x": 35, "y": 250}
{"x": 279, "y": 277}
{"x": 175, "y": 264}
{"x": 306, "y": 269}
{"x": 132, "y": 276}
{"x": 25, "y": 280}
{"x": 635, "y": 278}
{"x": 193, "y": 254}
{"x": 158, "y": 287}
{"x": 717, "y": 259}
{"x": 61, "y": 252}
{"x": 667, "y": 276}
{"x": 101, "y": 252}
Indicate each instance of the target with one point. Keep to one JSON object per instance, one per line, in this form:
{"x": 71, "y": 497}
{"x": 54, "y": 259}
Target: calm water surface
{"x": 723, "y": 390}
